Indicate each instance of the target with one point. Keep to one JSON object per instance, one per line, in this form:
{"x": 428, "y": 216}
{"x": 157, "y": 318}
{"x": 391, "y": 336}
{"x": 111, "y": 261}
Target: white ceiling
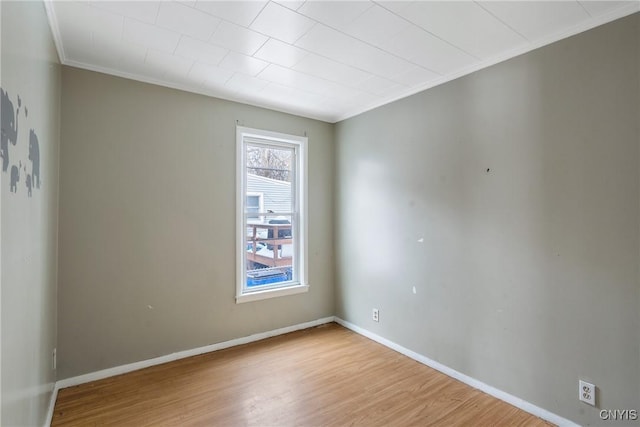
{"x": 328, "y": 60}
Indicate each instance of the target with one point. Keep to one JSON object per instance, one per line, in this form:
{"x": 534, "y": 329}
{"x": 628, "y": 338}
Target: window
{"x": 255, "y": 204}
{"x": 271, "y": 214}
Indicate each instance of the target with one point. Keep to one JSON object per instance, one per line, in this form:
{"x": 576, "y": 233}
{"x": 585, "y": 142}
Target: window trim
{"x": 301, "y": 188}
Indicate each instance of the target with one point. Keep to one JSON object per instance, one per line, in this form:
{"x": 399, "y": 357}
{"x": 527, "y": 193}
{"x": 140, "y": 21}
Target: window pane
{"x": 270, "y": 251}
{"x": 270, "y": 172}
{"x": 253, "y": 206}
{"x": 253, "y": 202}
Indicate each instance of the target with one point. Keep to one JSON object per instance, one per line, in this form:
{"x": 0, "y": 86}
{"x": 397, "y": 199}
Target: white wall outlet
{"x": 375, "y": 315}
{"x": 54, "y": 361}
{"x": 587, "y": 392}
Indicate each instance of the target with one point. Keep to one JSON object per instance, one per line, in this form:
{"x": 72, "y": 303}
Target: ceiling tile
{"x": 142, "y": 69}
{"x": 245, "y": 84}
{"x": 336, "y": 14}
{"x": 104, "y": 59}
{"x": 351, "y": 96}
{"x": 150, "y": 36}
{"x": 379, "y": 86}
{"x": 201, "y": 73}
{"x": 292, "y": 78}
{"x": 309, "y": 98}
{"x": 280, "y": 53}
{"x": 66, "y": 14}
{"x": 293, "y": 99}
{"x": 278, "y": 91}
{"x": 105, "y": 53}
{"x": 186, "y": 20}
{"x": 77, "y": 38}
{"x": 243, "y": 63}
{"x": 237, "y": 38}
{"x": 238, "y": 12}
{"x": 534, "y": 19}
{"x": 465, "y": 25}
{"x": 415, "y": 76}
{"x": 281, "y": 23}
{"x": 376, "y": 25}
{"x": 169, "y": 64}
{"x": 597, "y": 8}
{"x": 132, "y": 53}
{"x": 76, "y": 48}
{"x": 343, "y": 48}
{"x": 89, "y": 22}
{"x": 145, "y": 11}
{"x": 328, "y": 42}
{"x": 330, "y": 70}
{"x": 395, "y": 6}
{"x": 200, "y": 51}
{"x": 291, "y": 4}
{"x": 378, "y": 62}
{"x": 216, "y": 90}
{"x": 105, "y": 25}
{"x": 364, "y": 99}
{"x": 335, "y": 107}
{"x": 428, "y": 51}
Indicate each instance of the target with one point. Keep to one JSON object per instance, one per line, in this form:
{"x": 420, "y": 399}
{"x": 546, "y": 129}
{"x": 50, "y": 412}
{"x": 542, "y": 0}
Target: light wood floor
{"x": 325, "y": 376}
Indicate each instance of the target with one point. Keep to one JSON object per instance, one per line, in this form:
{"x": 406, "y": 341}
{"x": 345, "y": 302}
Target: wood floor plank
{"x": 324, "y": 376}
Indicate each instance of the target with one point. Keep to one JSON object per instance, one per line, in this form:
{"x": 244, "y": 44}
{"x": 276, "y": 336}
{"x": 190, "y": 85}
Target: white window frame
{"x": 300, "y": 283}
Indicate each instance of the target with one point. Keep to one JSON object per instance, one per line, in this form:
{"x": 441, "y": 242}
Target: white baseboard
{"x": 513, "y": 400}
{"x": 52, "y": 404}
{"x": 123, "y": 369}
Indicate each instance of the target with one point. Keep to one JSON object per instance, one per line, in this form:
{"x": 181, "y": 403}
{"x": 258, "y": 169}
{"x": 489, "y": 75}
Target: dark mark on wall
{"x": 15, "y": 178}
{"x": 9, "y": 128}
{"x": 9, "y": 122}
{"x": 29, "y": 185}
{"x": 34, "y": 156}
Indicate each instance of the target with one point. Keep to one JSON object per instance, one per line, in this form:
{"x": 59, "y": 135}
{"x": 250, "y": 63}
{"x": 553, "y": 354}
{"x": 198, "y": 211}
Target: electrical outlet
{"x": 587, "y": 392}
{"x": 376, "y": 315}
{"x": 54, "y": 359}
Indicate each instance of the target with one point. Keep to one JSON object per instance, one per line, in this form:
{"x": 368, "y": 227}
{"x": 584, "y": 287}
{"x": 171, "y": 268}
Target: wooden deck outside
{"x": 276, "y": 259}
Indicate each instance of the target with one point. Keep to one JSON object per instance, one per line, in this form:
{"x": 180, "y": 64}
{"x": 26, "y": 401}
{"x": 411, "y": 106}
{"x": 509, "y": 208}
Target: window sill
{"x": 271, "y": 293}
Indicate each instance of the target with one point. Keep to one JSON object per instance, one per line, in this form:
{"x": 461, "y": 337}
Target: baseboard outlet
{"x": 499, "y": 394}
{"x": 123, "y": 369}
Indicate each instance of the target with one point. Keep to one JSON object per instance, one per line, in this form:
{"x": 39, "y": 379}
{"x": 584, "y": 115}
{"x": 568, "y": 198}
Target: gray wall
{"x": 523, "y": 180}
{"x": 147, "y": 223}
{"x": 31, "y": 72}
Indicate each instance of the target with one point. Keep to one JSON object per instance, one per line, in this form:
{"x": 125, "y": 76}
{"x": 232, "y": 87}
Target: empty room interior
{"x": 314, "y": 213}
